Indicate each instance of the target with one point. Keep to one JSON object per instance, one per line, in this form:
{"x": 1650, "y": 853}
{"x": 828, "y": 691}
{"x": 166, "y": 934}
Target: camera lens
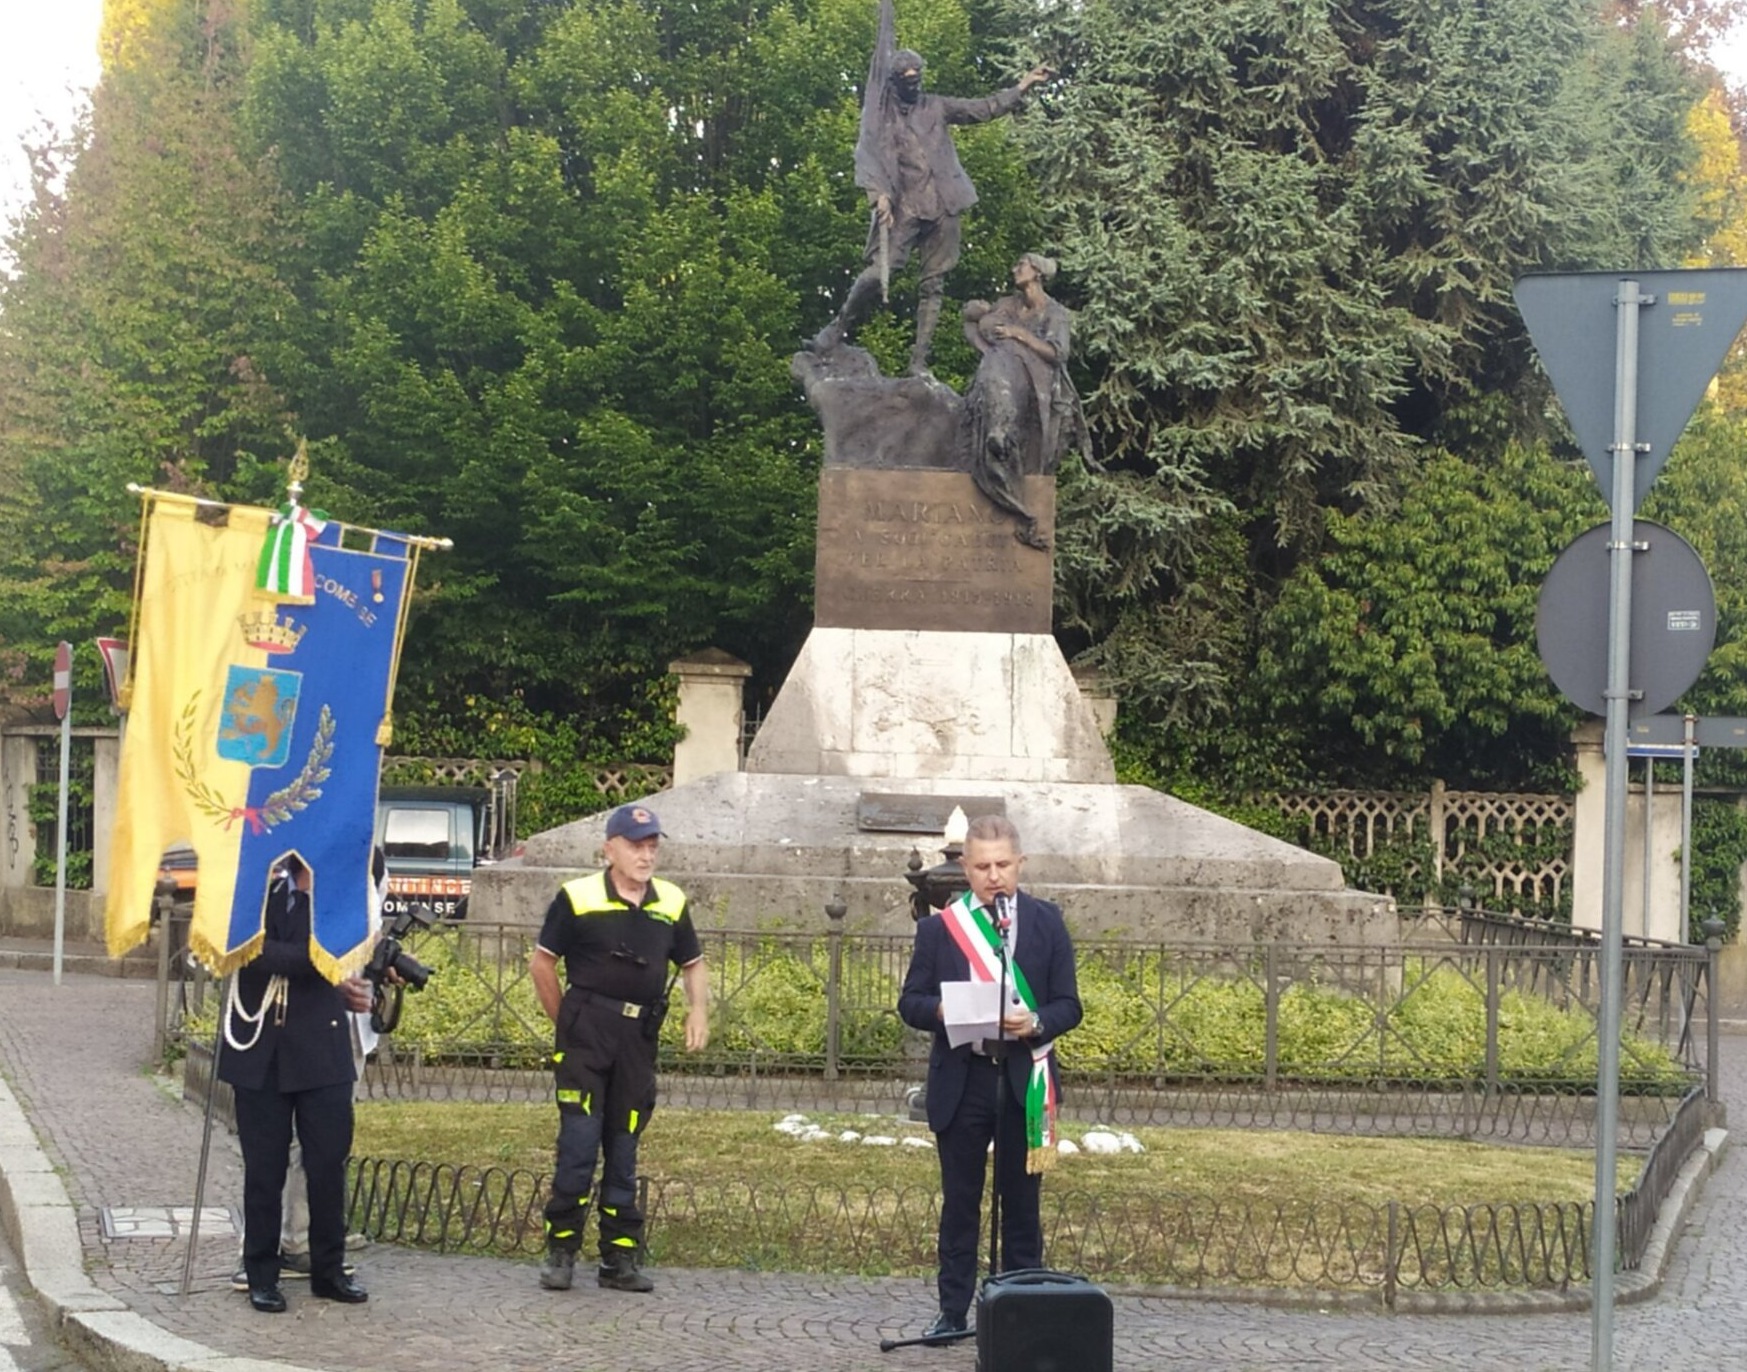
{"x": 413, "y": 972}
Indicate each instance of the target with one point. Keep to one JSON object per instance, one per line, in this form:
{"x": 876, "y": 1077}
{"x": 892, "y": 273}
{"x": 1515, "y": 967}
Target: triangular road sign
{"x": 1682, "y": 340}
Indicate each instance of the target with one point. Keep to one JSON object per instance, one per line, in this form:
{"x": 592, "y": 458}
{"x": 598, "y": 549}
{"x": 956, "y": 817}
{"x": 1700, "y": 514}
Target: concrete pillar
{"x": 105, "y": 779}
{"x": 17, "y": 776}
{"x": 711, "y": 708}
{"x": 1589, "y": 845}
{"x": 1096, "y": 692}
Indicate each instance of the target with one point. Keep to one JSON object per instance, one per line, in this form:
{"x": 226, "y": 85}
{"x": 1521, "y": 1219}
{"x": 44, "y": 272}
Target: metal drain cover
{"x": 166, "y": 1221}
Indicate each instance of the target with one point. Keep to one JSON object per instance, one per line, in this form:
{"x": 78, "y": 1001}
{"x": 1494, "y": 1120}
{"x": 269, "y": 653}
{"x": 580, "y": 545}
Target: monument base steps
{"x": 771, "y": 850}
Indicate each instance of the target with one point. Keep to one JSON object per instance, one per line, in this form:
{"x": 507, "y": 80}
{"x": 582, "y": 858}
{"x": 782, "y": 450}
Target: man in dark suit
{"x": 287, "y": 1055}
{"x": 992, "y": 924}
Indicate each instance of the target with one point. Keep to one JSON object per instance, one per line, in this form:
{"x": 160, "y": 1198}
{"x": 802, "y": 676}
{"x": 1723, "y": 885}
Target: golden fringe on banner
{"x": 336, "y": 969}
{"x": 222, "y": 964}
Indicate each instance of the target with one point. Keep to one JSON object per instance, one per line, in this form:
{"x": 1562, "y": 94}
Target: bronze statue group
{"x": 1021, "y": 412}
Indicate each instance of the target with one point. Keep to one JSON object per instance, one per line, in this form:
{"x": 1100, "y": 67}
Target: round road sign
{"x": 63, "y": 679}
{"x": 1674, "y": 619}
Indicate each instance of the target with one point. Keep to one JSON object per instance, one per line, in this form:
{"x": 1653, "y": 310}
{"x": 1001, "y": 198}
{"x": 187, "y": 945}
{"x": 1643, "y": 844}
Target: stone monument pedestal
{"x": 895, "y": 703}
{"x": 931, "y": 679}
{"x": 931, "y": 654}
{"x": 771, "y": 851}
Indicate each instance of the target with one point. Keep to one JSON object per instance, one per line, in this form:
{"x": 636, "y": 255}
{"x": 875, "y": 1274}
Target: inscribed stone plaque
{"x": 880, "y": 812}
{"x": 924, "y": 550}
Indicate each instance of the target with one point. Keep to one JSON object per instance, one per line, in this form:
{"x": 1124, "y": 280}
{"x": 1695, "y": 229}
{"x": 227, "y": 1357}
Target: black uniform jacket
{"x": 313, "y": 1047}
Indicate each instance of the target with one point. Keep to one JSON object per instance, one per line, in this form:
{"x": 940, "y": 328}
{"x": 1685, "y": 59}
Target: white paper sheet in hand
{"x": 969, "y": 1009}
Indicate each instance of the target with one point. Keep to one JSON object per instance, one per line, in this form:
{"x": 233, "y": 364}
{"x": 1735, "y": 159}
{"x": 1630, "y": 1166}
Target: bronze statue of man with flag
{"x": 906, "y": 162}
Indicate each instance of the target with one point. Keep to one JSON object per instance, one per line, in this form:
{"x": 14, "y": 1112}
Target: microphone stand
{"x": 996, "y": 1048}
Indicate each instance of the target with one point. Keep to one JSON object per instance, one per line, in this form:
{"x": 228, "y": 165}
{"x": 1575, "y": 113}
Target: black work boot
{"x": 559, "y": 1269}
{"x": 623, "y": 1271}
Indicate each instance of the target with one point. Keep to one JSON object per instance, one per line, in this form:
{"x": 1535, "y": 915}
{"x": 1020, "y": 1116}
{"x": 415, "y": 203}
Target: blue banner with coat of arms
{"x": 306, "y": 725}
{"x": 256, "y": 728}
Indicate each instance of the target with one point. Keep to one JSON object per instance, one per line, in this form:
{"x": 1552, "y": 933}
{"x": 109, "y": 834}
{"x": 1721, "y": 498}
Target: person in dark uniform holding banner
{"x": 968, "y": 941}
{"x": 618, "y": 931}
{"x": 287, "y": 1055}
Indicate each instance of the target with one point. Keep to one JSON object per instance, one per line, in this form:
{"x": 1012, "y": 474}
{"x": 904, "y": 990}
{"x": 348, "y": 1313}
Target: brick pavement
{"x": 76, "y": 1058}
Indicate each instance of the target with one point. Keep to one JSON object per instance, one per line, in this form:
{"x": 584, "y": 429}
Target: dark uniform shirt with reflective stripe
{"x": 620, "y": 950}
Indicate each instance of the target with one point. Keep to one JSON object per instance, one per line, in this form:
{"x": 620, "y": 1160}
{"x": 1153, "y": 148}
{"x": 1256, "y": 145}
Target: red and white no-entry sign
{"x": 63, "y": 679}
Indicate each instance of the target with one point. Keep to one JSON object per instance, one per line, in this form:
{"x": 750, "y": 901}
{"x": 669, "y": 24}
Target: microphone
{"x": 1003, "y": 912}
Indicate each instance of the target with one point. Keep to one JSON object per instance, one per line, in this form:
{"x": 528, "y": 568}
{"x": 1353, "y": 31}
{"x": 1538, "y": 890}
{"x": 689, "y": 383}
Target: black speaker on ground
{"x": 1042, "y": 1321}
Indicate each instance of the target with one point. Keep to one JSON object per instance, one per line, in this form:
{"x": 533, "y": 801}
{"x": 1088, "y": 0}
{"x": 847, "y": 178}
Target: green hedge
{"x": 774, "y": 1005}
{"x": 1431, "y": 1030}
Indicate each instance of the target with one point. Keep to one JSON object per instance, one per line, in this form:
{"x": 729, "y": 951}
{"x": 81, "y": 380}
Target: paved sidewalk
{"x": 75, "y": 1059}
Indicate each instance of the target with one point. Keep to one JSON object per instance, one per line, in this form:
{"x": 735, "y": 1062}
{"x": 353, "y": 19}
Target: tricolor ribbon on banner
{"x": 969, "y": 926}
{"x": 286, "y": 571}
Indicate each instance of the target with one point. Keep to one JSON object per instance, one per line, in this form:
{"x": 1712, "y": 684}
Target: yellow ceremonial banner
{"x": 196, "y": 592}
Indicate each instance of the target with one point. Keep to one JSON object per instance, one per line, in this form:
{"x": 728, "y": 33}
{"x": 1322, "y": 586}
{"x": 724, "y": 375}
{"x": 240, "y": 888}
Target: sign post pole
{"x": 1627, "y": 303}
{"x": 1688, "y": 752}
{"x": 64, "y": 708}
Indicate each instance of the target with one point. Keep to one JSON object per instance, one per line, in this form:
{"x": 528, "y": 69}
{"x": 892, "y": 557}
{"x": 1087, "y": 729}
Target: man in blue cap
{"x": 617, "y": 931}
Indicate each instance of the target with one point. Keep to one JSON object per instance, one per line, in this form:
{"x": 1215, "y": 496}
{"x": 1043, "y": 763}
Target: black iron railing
{"x": 1469, "y": 1032}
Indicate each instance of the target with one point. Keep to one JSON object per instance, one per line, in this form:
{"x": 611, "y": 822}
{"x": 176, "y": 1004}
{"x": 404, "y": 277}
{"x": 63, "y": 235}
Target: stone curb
{"x": 41, "y": 1224}
{"x": 17, "y": 956}
{"x": 1633, "y": 1287}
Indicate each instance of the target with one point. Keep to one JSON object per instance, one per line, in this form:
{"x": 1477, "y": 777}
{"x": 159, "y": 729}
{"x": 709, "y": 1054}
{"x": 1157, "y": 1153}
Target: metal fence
{"x": 1173, "y": 1033}
{"x": 1467, "y": 1032}
{"x": 1384, "y": 1248}
{"x": 1441, "y": 1036}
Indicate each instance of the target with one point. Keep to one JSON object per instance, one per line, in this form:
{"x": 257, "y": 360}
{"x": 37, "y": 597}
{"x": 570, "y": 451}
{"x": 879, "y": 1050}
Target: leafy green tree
{"x": 1408, "y": 649}
{"x": 129, "y": 336}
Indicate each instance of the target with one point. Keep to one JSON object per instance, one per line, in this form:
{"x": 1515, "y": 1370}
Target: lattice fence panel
{"x": 452, "y": 771}
{"x": 1514, "y": 847}
{"x": 1532, "y": 866}
{"x": 626, "y": 781}
{"x": 1362, "y": 820}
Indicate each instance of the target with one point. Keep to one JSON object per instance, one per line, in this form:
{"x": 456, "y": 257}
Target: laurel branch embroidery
{"x": 282, "y": 804}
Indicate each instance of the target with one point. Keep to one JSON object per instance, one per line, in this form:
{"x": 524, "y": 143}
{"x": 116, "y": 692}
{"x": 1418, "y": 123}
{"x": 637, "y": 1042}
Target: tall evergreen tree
{"x": 129, "y": 333}
{"x": 1293, "y": 231}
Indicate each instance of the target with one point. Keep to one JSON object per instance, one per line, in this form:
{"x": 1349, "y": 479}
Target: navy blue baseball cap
{"x": 634, "y": 822}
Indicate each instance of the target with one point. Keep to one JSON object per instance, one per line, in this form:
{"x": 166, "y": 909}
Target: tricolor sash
{"x": 968, "y": 924}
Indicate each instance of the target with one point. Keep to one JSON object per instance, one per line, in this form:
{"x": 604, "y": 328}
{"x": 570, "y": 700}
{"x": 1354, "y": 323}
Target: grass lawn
{"x": 1198, "y": 1205}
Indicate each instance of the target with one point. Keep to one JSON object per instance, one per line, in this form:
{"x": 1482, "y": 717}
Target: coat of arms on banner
{"x": 260, "y": 705}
